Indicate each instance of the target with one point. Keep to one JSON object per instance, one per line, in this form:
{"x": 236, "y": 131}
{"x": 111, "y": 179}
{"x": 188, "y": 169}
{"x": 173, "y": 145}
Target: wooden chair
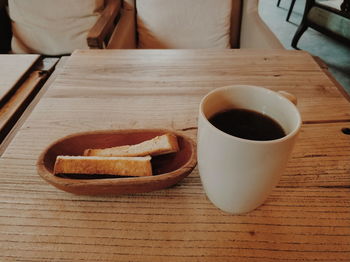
{"x": 98, "y": 36}
{"x": 327, "y": 18}
{"x": 247, "y": 29}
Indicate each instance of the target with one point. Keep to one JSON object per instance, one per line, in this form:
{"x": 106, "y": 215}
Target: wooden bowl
{"x": 167, "y": 169}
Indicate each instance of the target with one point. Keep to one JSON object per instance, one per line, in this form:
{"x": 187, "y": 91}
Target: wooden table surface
{"x": 306, "y": 218}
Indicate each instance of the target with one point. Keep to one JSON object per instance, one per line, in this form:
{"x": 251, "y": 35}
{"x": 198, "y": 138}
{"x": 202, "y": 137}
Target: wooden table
{"x": 306, "y": 218}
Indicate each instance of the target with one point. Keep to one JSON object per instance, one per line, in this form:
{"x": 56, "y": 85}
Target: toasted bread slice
{"x": 156, "y": 146}
{"x": 91, "y": 165}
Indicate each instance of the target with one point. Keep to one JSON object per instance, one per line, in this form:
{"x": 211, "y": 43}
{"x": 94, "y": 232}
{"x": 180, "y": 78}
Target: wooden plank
{"x": 100, "y": 74}
{"x": 320, "y": 158}
{"x": 325, "y": 70}
{"x": 17, "y": 101}
{"x": 12, "y": 109}
{"x": 22, "y": 95}
{"x": 175, "y": 224}
{"x": 12, "y": 69}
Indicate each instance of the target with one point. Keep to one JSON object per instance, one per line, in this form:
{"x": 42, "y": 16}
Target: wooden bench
{"x": 21, "y": 78}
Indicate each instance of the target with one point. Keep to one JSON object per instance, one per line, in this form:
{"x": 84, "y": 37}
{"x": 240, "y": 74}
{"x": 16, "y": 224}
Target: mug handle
{"x": 289, "y": 96}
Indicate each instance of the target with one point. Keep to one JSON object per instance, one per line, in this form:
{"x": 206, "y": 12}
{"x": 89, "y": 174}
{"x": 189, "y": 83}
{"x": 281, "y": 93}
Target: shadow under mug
{"x": 238, "y": 174}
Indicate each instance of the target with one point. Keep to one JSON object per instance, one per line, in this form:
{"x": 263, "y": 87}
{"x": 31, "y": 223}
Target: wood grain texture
{"x": 18, "y": 101}
{"x": 21, "y": 95}
{"x": 48, "y": 67}
{"x": 195, "y": 72}
{"x": 306, "y": 218}
{"x": 40, "y": 223}
{"x": 13, "y": 67}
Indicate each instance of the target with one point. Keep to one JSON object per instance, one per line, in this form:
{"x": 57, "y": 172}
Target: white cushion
{"x": 52, "y": 27}
{"x": 183, "y": 23}
{"x": 332, "y": 3}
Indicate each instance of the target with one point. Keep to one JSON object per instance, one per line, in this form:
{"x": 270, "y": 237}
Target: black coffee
{"x": 247, "y": 124}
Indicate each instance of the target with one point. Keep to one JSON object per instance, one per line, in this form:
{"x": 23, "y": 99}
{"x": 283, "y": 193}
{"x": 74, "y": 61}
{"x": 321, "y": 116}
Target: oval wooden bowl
{"x": 167, "y": 169}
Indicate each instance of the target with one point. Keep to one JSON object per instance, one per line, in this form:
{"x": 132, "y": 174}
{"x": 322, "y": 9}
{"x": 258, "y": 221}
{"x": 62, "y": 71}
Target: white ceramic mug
{"x": 238, "y": 174}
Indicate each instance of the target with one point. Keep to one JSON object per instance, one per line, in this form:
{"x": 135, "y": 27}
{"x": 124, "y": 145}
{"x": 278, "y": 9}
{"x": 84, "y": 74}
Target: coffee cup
{"x": 238, "y": 174}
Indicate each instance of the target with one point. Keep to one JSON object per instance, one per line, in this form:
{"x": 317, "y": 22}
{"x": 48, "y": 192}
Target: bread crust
{"x": 159, "y": 145}
{"x": 90, "y": 165}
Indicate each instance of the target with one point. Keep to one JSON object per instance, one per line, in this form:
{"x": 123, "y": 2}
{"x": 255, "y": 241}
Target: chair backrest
{"x": 188, "y": 23}
{"x": 52, "y": 27}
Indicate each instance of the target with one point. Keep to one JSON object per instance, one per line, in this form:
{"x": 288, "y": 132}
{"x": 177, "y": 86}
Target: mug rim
{"x": 220, "y": 89}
